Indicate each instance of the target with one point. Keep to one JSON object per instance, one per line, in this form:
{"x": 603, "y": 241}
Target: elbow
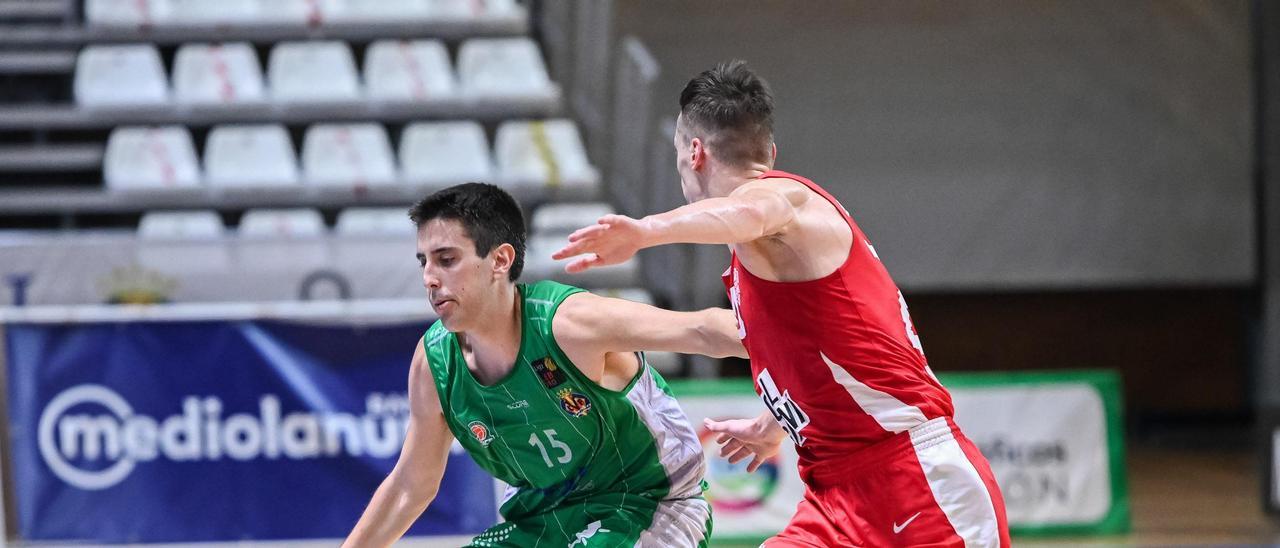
{"x": 413, "y": 493}
{"x": 718, "y": 335}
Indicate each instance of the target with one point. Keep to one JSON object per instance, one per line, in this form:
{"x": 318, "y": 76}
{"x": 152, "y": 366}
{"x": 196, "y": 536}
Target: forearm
{"x": 728, "y": 220}
{"x": 390, "y": 513}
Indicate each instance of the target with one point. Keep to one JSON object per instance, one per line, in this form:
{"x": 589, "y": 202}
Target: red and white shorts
{"x": 928, "y": 486}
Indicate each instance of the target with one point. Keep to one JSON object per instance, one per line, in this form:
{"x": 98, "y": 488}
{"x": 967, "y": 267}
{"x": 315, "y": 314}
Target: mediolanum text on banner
{"x": 1054, "y": 441}
{"x": 215, "y": 430}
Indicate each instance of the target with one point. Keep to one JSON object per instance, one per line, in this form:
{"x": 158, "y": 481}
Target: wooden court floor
{"x": 1189, "y": 497}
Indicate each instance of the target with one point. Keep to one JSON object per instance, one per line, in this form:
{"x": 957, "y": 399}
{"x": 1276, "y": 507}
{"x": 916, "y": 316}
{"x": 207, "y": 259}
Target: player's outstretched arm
{"x": 414, "y": 481}
{"x": 598, "y": 325}
{"x": 753, "y": 211}
{"x": 759, "y": 438}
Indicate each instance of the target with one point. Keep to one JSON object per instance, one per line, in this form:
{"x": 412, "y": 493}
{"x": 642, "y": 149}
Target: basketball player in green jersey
{"x": 545, "y": 386}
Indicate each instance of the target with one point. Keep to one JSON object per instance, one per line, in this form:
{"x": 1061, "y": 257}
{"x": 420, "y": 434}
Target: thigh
{"x": 682, "y": 523}
{"x": 933, "y": 496}
{"x": 609, "y": 522}
{"x": 561, "y": 527}
{"x": 810, "y": 527}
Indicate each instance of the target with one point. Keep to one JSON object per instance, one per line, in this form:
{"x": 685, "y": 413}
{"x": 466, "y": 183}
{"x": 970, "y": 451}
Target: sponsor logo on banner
{"x": 732, "y": 488}
{"x": 1048, "y": 473}
{"x": 91, "y": 437}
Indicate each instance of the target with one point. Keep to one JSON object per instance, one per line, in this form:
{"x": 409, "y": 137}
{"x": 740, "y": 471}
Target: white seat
{"x": 125, "y": 13}
{"x": 180, "y": 225}
{"x": 214, "y": 12}
{"x": 566, "y": 218}
{"x": 403, "y": 70}
{"x": 281, "y": 223}
{"x": 541, "y": 153}
{"x": 316, "y": 71}
{"x": 183, "y": 242}
{"x": 347, "y": 155}
{"x": 375, "y": 11}
{"x": 217, "y": 74}
{"x": 126, "y": 75}
{"x": 470, "y": 9}
{"x": 540, "y": 266}
{"x": 287, "y": 243}
{"x": 290, "y": 12}
{"x": 502, "y": 68}
{"x": 374, "y": 221}
{"x": 150, "y": 158}
{"x": 444, "y": 153}
{"x": 250, "y": 156}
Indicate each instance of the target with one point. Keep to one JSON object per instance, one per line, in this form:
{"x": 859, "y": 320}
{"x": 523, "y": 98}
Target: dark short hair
{"x": 489, "y": 215}
{"x": 735, "y": 108}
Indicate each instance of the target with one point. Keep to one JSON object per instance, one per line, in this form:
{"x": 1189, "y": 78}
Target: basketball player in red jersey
{"x": 833, "y": 352}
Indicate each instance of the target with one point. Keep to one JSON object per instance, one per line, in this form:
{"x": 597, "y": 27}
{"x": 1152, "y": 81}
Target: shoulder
{"x": 424, "y": 398}
{"x": 794, "y": 192}
{"x": 544, "y": 299}
{"x": 547, "y": 291}
{"x": 575, "y": 318}
{"x": 435, "y": 335}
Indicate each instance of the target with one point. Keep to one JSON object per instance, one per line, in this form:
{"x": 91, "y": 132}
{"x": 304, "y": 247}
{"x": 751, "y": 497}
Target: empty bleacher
{"x": 356, "y": 110}
{"x": 242, "y": 143}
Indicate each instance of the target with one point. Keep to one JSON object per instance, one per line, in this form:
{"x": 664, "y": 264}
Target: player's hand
{"x": 612, "y": 240}
{"x": 742, "y": 438}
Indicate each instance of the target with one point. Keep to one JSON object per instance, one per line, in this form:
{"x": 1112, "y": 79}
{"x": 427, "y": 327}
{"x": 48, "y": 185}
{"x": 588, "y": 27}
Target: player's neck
{"x": 727, "y": 179}
{"x": 491, "y": 347}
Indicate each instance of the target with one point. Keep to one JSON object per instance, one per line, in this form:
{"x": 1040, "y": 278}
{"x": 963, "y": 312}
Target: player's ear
{"x": 697, "y": 154}
{"x": 504, "y": 256}
{"x": 773, "y": 156}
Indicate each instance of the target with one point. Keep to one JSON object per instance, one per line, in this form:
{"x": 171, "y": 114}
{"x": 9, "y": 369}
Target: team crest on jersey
{"x": 481, "y": 433}
{"x": 574, "y": 403}
{"x": 548, "y": 372}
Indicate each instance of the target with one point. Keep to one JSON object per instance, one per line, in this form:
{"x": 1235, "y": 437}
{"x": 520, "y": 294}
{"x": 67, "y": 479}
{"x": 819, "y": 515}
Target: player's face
{"x": 456, "y": 278}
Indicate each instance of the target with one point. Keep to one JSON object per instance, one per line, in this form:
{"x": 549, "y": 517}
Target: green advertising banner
{"x": 1054, "y": 440}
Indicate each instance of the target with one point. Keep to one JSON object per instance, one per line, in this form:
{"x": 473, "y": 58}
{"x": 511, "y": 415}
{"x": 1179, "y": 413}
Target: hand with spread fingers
{"x": 759, "y": 438}
{"x": 612, "y": 240}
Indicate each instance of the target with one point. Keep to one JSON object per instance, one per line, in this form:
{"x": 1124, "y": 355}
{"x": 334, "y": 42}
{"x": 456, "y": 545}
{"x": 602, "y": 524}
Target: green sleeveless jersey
{"x": 555, "y": 436}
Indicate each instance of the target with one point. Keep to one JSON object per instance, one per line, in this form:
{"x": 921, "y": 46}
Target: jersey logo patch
{"x": 585, "y": 535}
{"x": 548, "y": 372}
{"x": 574, "y": 403}
{"x": 481, "y": 433}
{"x": 784, "y": 410}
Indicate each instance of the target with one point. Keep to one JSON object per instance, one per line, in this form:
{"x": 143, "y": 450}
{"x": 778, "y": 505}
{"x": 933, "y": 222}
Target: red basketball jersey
{"x": 836, "y": 359}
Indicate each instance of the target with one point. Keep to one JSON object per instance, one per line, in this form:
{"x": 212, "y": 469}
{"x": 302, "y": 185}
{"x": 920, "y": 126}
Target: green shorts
{"x": 601, "y": 522}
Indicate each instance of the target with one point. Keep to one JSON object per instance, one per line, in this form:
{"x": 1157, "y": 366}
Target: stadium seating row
{"x": 555, "y": 220}
{"x": 367, "y": 239}
{"x": 133, "y": 75}
{"x": 161, "y": 13}
{"x": 536, "y": 153}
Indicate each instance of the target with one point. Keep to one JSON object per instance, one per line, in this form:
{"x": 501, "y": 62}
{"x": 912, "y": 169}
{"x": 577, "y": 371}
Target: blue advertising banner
{"x": 215, "y": 430}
